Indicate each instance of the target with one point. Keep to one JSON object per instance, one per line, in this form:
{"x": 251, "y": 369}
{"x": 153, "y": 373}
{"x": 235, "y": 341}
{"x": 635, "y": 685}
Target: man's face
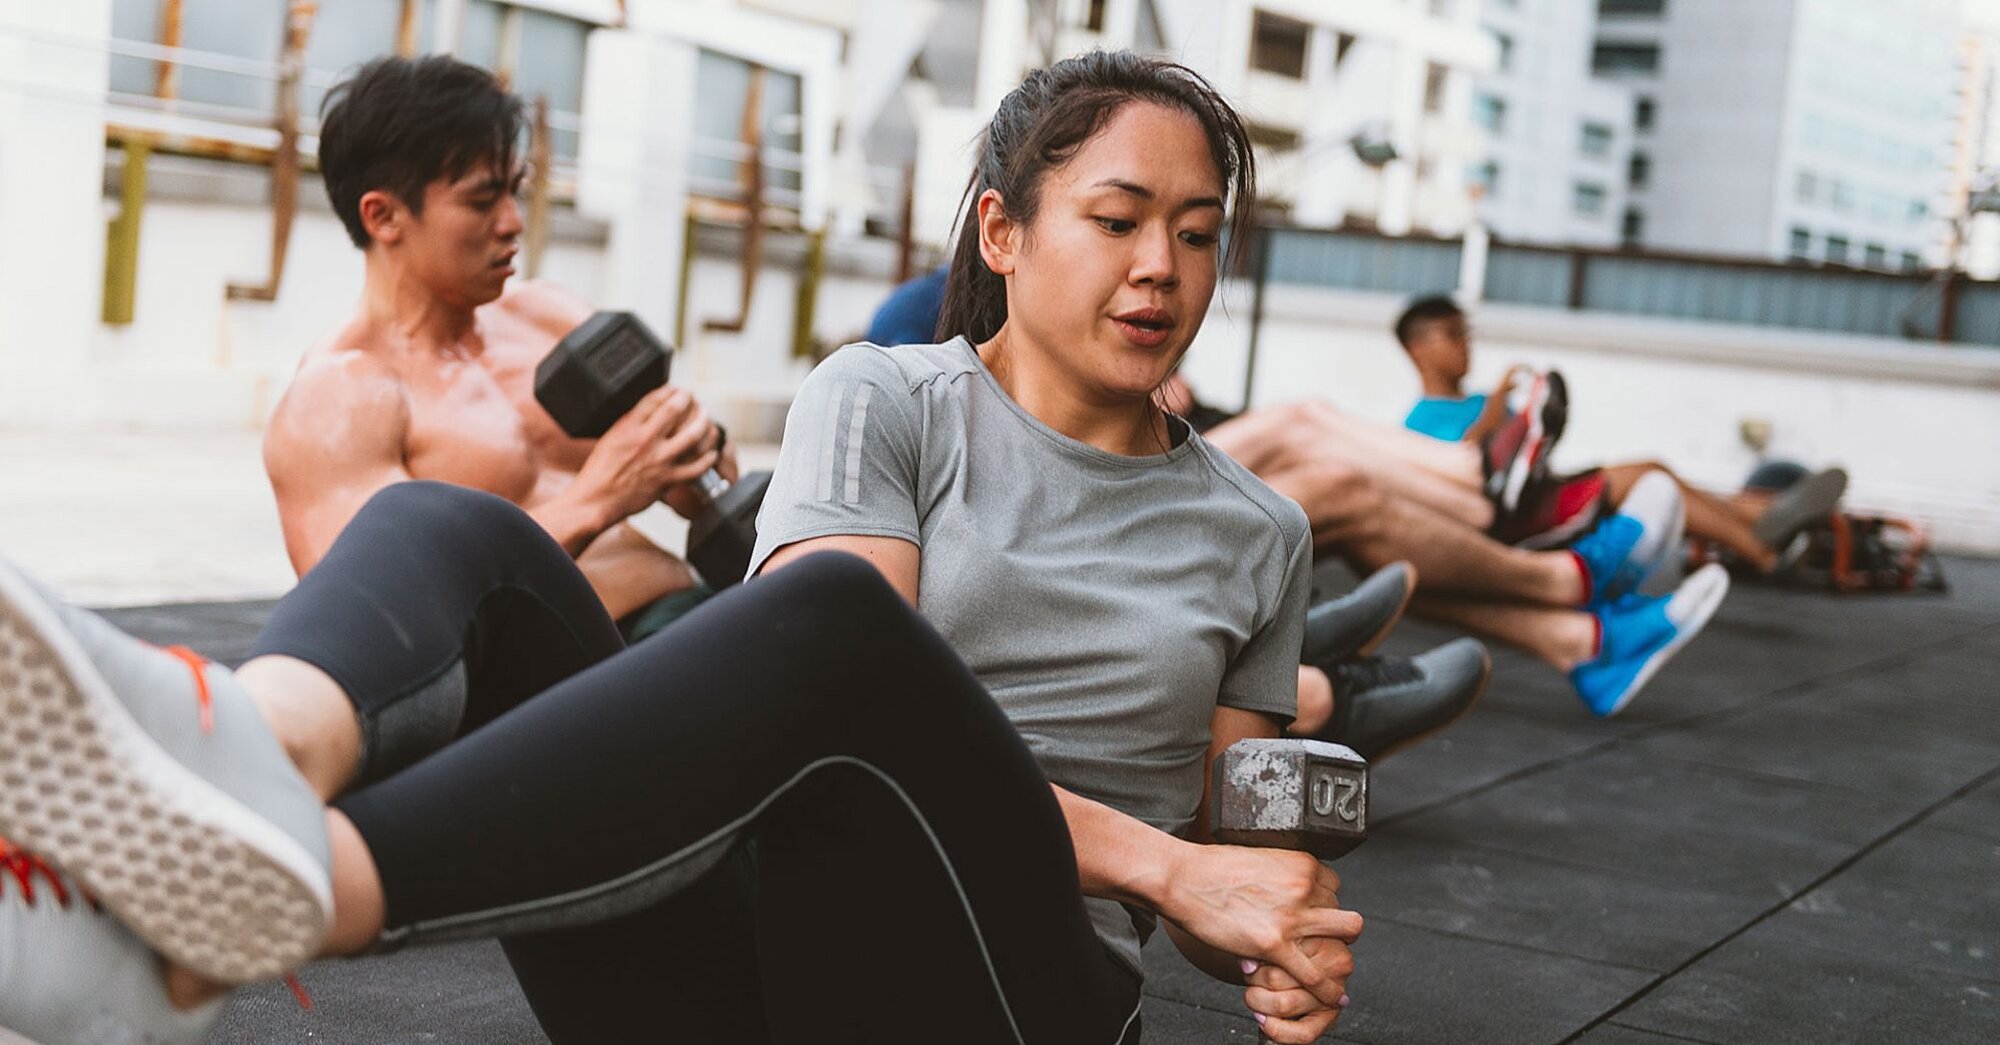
{"x": 462, "y": 245}
{"x": 1443, "y": 347}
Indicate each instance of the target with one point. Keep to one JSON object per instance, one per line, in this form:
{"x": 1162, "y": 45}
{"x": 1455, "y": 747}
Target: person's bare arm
{"x": 336, "y": 438}
{"x": 1494, "y": 413}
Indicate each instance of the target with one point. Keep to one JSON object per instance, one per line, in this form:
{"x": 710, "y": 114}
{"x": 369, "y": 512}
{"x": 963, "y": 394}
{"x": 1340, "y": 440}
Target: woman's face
{"x": 1114, "y": 276}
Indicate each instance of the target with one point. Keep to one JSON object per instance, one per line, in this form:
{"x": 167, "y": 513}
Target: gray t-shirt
{"x": 1108, "y": 603}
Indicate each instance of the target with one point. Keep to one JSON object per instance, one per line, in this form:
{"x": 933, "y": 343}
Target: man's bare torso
{"x": 468, "y": 416}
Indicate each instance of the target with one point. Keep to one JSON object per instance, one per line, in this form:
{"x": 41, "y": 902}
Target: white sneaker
{"x": 71, "y": 975}
{"x": 151, "y": 778}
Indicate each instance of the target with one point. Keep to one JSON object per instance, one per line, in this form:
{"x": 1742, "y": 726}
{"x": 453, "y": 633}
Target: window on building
{"x": 1631, "y": 8}
{"x": 1594, "y": 139}
{"x": 1800, "y": 244}
{"x": 1805, "y": 187}
{"x": 1587, "y": 198}
{"x": 1505, "y": 44}
{"x": 1643, "y": 111}
{"x": 1633, "y": 227}
{"x": 721, "y": 93}
{"x": 1875, "y": 256}
{"x": 1620, "y": 58}
{"x": 1836, "y": 250}
{"x": 1434, "y": 82}
{"x": 1342, "y": 43}
{"x": 1490, "y": 112}
{"x": 1842, "y": 195}
{"x": 1278, "y": 44}
{"x": 1639, "y": 171}
{"x": 1485, "y": 177}
{"x": 1912, "y": 261}
{"x": 1265, "y": 136}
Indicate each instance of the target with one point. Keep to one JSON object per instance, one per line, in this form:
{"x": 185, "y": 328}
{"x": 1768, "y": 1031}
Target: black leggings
{"x": 794, "y": 815}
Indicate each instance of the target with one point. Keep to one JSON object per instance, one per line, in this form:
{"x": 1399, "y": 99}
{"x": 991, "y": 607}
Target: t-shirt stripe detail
{"x": 856, "y": 429}
{"x": 828, "y": 445}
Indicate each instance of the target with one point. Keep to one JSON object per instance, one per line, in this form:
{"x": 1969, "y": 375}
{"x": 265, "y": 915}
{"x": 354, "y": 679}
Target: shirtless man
{"x": 433, "y": 375}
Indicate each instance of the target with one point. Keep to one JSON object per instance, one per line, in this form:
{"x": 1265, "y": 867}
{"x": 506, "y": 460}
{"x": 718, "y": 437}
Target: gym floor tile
{"x": 1169, "y": 1022}
{"x": 1536, "y": 903}
{"x": 1713, "y": 829}
{"x": 1762, "y": 989}
{"x": 1977, "y": 813}
{"x": 1618, "y": 1034}
{"x": 1902, "y": 710}
{"x": 1486, "y": 746}
{"x": 1805, "y": 740}
{"x": 1909, "y": 901}
{"x": 450, "y": 994}
{"x": 1418, "y": 986}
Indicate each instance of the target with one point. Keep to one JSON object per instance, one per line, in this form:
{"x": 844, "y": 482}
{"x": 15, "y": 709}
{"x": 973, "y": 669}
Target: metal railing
{"x": 1930, "y": 306}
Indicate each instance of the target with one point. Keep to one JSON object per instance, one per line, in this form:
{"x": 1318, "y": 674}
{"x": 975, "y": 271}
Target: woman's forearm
{"x": 1119, "y": 857}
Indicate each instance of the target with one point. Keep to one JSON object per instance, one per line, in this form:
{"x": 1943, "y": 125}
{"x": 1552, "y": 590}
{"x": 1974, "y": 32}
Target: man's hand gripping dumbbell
{"x": 600, "y": 371}
{"x": 1304, "y": 795}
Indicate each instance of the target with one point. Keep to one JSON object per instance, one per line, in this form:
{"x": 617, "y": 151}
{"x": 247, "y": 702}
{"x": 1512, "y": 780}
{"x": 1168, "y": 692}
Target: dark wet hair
{"x": 401, "y": 123}
{"x": 1041, "y": 124}
{"x": 1424, "y": 310}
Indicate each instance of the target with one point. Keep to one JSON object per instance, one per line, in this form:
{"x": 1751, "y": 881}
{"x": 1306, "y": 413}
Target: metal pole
{"x": 541, "y": 156}
{"x": 1264, "y": 238}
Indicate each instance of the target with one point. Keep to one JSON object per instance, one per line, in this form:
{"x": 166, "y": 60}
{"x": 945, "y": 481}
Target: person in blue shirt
{"x": 1434, "y": 332}
{"x": 909, "y": 315}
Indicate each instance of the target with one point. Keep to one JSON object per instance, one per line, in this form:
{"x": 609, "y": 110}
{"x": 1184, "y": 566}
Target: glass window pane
{"x": 479, "y": 33}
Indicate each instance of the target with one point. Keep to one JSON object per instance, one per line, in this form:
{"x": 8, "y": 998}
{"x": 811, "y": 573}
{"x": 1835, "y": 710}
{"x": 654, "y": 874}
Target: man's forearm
{"x": 573, "y": 524}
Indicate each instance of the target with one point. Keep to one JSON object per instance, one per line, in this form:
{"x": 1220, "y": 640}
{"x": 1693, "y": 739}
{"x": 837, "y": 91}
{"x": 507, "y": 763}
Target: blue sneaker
{"x": 1623, "y": 551}
{"x": 1641, "y": 633}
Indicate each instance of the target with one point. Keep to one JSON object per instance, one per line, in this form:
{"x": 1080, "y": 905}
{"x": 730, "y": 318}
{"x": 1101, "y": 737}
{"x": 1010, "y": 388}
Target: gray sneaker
{"x": 150, "y": 777}
{"x": 70, "y": 974}
{"x": 1358, "y": 621}
{"x": 1384, "y": 704}
{"x": 1803, "y": 503}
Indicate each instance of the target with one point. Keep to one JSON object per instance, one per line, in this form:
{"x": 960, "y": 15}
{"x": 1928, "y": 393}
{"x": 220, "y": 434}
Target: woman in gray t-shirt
{"x": 1133, "y": 600}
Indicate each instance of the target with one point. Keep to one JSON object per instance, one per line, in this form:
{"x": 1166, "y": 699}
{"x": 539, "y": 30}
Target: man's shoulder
{"x": 338, "y": 383}
{"x": 545, "y": 304}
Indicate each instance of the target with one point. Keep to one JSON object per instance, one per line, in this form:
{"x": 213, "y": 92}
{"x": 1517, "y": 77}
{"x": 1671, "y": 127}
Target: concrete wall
{"x": 1913, "y": 425}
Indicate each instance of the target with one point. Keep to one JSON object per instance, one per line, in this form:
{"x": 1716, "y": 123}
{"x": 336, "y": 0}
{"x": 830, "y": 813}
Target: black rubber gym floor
{"x": 1792, "y": 836}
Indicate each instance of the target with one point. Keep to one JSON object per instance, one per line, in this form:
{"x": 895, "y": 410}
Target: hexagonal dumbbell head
{"x": 598, "y": 371}
{"x": 1282, "y": 793}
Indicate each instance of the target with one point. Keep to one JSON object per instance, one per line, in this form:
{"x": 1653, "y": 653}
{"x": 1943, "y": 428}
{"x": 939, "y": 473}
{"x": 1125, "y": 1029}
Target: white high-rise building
{"x": 1558, "y": 157}
{"x": 1818, "y": 130}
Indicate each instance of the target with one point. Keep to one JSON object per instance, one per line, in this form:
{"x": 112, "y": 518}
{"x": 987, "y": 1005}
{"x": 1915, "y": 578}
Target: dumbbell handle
{"x": 712, "y": 485}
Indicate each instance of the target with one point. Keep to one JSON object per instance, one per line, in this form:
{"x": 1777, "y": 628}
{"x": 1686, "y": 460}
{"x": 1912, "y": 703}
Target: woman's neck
{"x": 1056, "y": 397}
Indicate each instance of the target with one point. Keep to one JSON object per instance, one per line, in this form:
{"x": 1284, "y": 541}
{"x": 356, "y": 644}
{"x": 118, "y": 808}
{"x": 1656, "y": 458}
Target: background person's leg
{"x": 1562, "y": 638}
{"x": 1708, "y": 517}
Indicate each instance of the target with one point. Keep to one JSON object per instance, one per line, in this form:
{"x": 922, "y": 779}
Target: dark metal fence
{"x": 1923, "y": 306}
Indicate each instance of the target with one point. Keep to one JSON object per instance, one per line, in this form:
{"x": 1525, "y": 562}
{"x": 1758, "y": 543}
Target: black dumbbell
{"x": 593, "y": 376}
{"x": 1307, "y": 795}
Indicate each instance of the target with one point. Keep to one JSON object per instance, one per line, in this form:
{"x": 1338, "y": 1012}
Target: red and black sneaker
{"x": 1554, "y": 511}
{"x": 1517, "y": 453}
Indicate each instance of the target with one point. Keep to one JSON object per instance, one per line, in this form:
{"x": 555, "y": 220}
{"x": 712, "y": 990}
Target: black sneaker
{"x": 1384, "y": 704}
{"x": 1358, "y": 621}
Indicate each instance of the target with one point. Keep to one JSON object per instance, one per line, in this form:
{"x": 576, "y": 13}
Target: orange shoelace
{"x": 205, "y": 700}
{"x": 23, "y": 866}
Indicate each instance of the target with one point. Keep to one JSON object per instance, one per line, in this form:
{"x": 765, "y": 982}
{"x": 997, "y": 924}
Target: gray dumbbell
{"x": 597, "y": 373}
{"x": 1285, "y": 793}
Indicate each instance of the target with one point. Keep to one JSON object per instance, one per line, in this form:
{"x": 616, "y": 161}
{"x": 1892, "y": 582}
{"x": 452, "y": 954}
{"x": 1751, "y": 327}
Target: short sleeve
{"x": 849, "y": 462}
{"x": 1265, "y": 674}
